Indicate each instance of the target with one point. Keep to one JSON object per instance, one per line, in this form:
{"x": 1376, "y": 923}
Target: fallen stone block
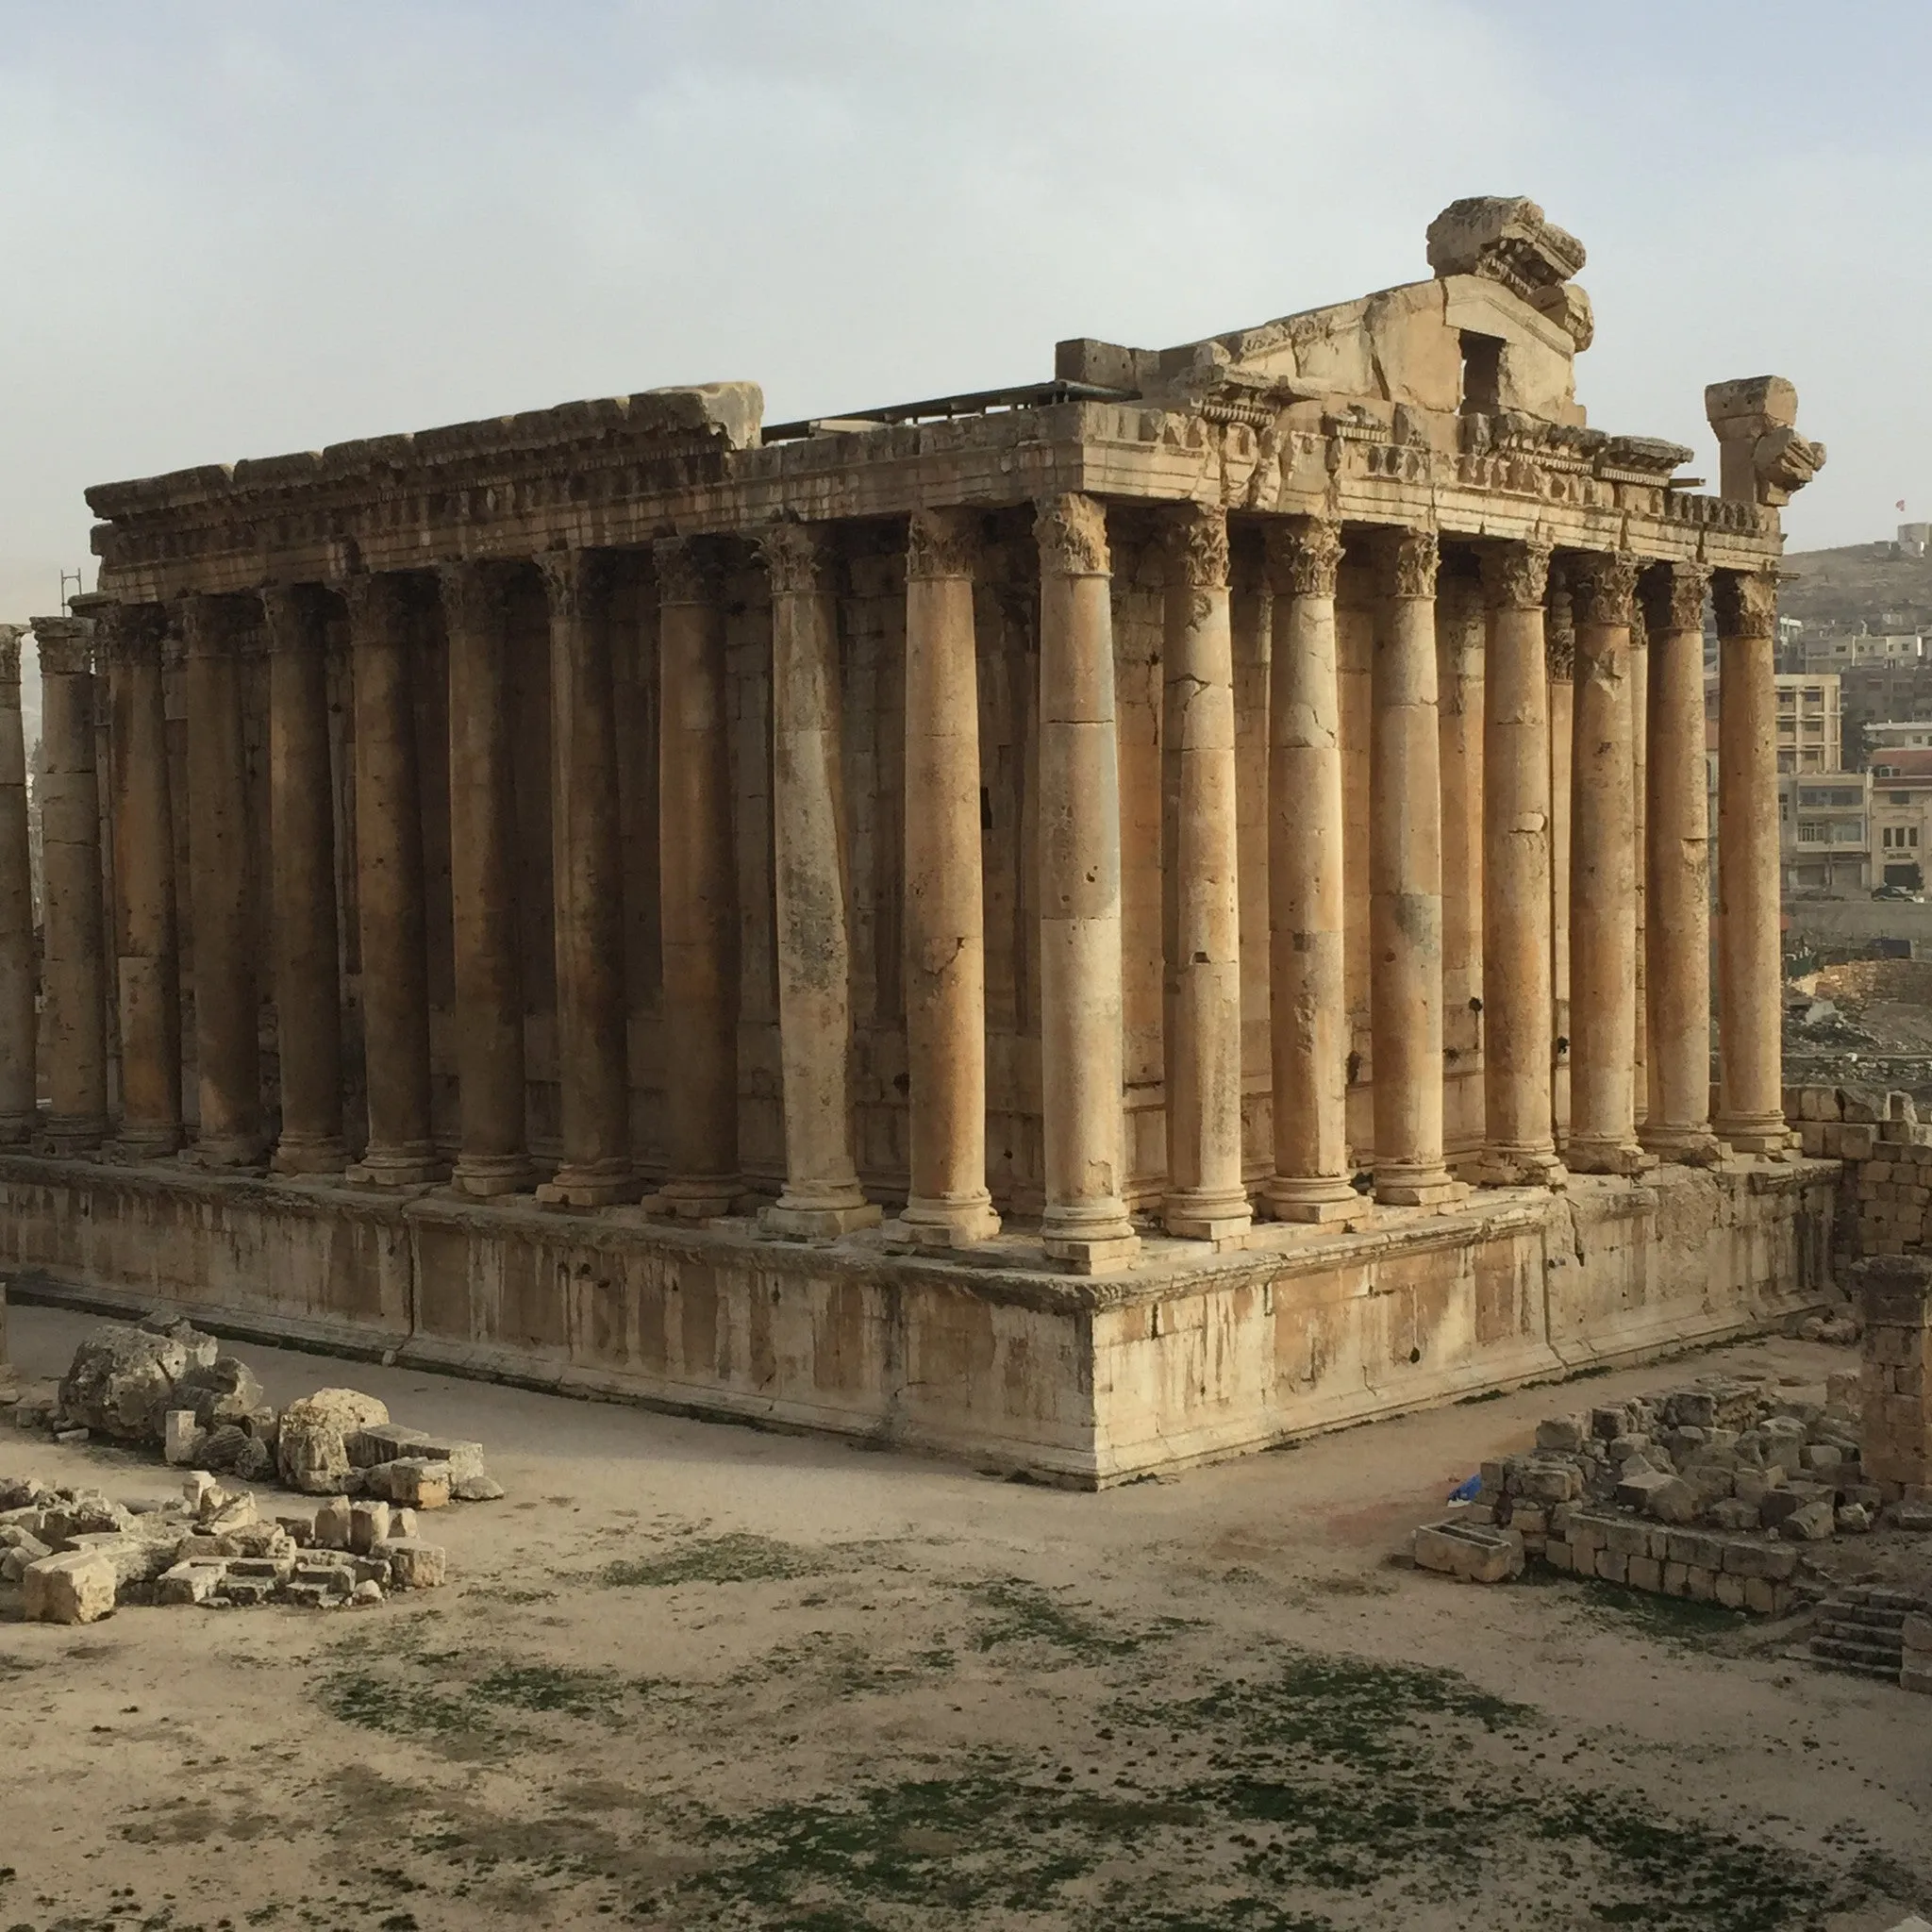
{"x": 121, "y": 1380}
{"x": 13, "y": 1565}
{"x": 1912, "y": 1677}
{"x": 76, "y": 1587}
{"x": 299, "y": 1528}
{"x": 1915, "y": 1633}
{"x": 1813, "y": 1524}
{"x": 332, "y": 1524}
{"x": 416, "y": 1565}
{"x": 1912, "y": 1516}
{"x": 181, "y": 1437}
{"x": 1466, "y": 1551}
{"x": 1564, "y": 1432}
{"x": 1672, "y": 1500}
{"x": 366, "y": 1592}
{"x": 1735, "y": 1512}
{"x": 402, "y": 1524}
{"x": 313, "y": 1444}
{"x": 368, "y": 1525}
{"x": 1853, "y": 1519}
{"x": 416, "y": 1482}
{"x": 1635, "y": 1491}
{"x": 383, "y": 1442}
{"x": 191, "y": 1582}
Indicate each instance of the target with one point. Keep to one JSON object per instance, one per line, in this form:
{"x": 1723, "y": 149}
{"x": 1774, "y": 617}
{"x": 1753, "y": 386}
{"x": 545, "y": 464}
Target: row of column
{"x": 1085, "y": 1223}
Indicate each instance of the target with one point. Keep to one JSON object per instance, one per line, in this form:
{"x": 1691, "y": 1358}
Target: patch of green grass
{"x": 545, "y": 1686}
{"x": 736, "y": 1558}
{"x": 1023, "y": 1612}
{"x": 1676, "y": 1619}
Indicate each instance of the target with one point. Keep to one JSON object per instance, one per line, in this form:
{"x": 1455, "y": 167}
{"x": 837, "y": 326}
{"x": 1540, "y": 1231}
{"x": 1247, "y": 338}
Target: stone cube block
{"x": 1558, "y": 1555}
{"x": 368, "y": 1525}
{"x": 1729, "y": 1591}
{"x": 76, "y": 1588}
{"x": 1564, "y": 1432}
{"x": 1813, "y": 1524}
{"x": 1644, "y": 1573}
{"x": 181, "y": 1437}
{"x": 191, "y": 1582}
{"x": 1913, "y": 1677}
{"x": 1611, "y": 1567}
{"x": 1677, "y": 1577}
{"x": 1763, "y": 1596}
{"x": 416, "y": 1565}
{"x": 417, "y": 1484}
{"x": 333, "y": 1521}
{"x": 1700, "y": 1585}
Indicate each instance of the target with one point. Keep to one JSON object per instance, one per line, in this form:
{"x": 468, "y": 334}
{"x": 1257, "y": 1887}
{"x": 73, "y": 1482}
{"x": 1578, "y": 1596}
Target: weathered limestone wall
{"x": 1091, "y": 1382}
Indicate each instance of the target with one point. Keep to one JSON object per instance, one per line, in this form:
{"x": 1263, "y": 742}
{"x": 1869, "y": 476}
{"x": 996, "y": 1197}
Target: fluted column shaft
{"x": 948, "y": 1203}
{"x": 1206, "y": 1199}
{"x": 822, "y": 1196}
{"x": 1603, "y": 875}
{"x": 698, "y": 885}
{"x": 1519, "y": 1140}
{"x": 1085, "y": 1224}
{"x": 1676, "y": 931}
{"x": 1406, "y": 884}
{"x": 147, "y": 940}
{"x": 1750, "y": 966}
{"x": 593, "y": 1026}
{"x": 494, "y": 1157}
{"x": 1307, "y": 994}
{"x": 75, "y": 976}
{"x": 389, "y": 859}
{"x": 222, "y": 887}
{"x": 308, "y": 986}
{"x": 19, "y": 1017}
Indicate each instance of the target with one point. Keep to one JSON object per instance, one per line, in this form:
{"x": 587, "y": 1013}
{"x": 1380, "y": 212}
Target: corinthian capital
{"x": 379, "y": 605}
{"x": 1304, "y": 556}
{"x": 941, "y": 543}
{"x": 10, "y": 634}
{"x": 1560, "y": 629}
{"x": 1516, "y": 576}
{"x": 125, "y": 633}
{"x": 1604, "y": 587}
{"x": 1746, "y": 603}
{"x": 796, "y": 560}
{"x": 1672, "y": 596}
{"x": 66, "y": 646}
{"x": 1413, "y": 556}
{"x": 686, "y": 570}
{"x": 293, "y": 615}
{"x": 1071, "y": 535}
{"x": 1197, "y": 546}
{"x": 575, "y": 580}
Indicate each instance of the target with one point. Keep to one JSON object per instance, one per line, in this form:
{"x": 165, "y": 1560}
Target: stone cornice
{"x": 1071, "y": 531}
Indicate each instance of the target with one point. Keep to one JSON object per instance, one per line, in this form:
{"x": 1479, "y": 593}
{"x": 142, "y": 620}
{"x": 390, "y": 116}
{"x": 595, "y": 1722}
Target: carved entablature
{"x": 1072, "y": 534}
{"x": 1198, "y": 547}
{"x": 1762, "y": 458}
{"x": 1746, "y": 603}
{"x": 1304, "y": 556}
{"x": 941, "y": 543}
{"x": 1508, "y": 238}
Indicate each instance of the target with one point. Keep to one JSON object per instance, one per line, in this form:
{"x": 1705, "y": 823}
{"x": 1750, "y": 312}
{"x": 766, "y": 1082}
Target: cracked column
{"x": 75, "y": 969}
{"x": 949, "y": 1205}
{"x": 698, "y": 885}
{"x": 1676, "y": 933}
{"x": 1406, "y": 884}
{"x": 1205, "y": 1198}
{"x": 1308, "y": 995}
{"x": 1603, "y": 875}
{"x": 19, "y": 1019}
{"x": 388, "y": 863}
{"x": 822, "y": 1197}
{"x": 1519, "y": 1144}
{"x": 221, "y": 887}
{"x": 308, "y": 986}
{"x": 1085, "y": 1224}
{"x": 1750, "y": 999}
{"x": 592, "y": 1044}
{"x": 146, "y": 936}
{"x": 492, "y": 1158}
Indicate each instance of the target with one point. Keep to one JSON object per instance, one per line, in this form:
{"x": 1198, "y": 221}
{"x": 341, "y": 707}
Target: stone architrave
{"x": 388, "y": 863}
{"x": 1602, "y": 876}
{"x": 949, "y": 1204}
{"x": 1676, "y": 932}
{"x": 1313, "y": 1179}
{"x": 222, "y": 887}
{"x": 1406, "y": 884}
{"x": 1518, "y": 1142}
{"x": 307, "y": 985}
{"x": 586, "y": 860}
{"x": 698, "y": 885}
{"x": 1085, "y": 1225}
{"x": 492, "y": 1156}
{"x": 147, "y": 943}
{"x": 1206, "y": 1197}
{"x": 18, "y": 1020}
{"x": 75, "y": 969}
{"x": 822, "y": 1197}
{"x": 1750, "y": 999}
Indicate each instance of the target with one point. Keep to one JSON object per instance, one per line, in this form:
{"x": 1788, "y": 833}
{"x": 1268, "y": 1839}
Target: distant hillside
{"x": 1839, "y": 590}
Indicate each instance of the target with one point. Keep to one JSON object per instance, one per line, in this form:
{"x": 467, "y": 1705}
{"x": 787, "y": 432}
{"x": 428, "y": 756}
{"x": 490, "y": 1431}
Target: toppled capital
{"x": 1508, "y": 238}
{"x": 1763, "y": 458}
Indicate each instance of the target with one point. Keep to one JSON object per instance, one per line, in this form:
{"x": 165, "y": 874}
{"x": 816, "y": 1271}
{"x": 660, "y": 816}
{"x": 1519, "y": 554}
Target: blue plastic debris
{"x": 1467, "y": 1492}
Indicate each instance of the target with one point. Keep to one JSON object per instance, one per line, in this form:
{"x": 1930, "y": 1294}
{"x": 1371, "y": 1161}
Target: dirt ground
{"x": 695, "y": 1675}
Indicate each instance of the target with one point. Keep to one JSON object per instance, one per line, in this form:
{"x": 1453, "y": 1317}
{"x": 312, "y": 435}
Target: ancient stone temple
{"x": 1086, "y": 927}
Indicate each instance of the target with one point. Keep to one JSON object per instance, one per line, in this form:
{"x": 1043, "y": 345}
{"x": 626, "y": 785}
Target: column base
{"x": 222, "y": 1151}
{"x": 398, "y": 1167}
{"x": 1517, "y": 1167}
{"x": 1419, "y": 1187}
{"x": 600, "y": 1184}
{"x": 17, "y": 1129}
{"x": 1206, "y": 1217}
{"x": 1592, "y": 1154}
{"x": 482, "y": 1177}
{"x": 1091, "y": 1240}
{"x": 698, "y": 1197}
{"x": 944, "y": 1223}
{"x": 308, "y": 1154}
{"x": 805, "y": 1218}
{"x": 1755, "y": 1133}
{"x": 1686, "y": 1147}
{"x": 1317, "y": 1198}
{"x": 157, "y": 1143}
{"x": 66, "y": 1135}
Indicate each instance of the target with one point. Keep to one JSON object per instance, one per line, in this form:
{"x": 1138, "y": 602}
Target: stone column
{"x": 1678, "y": 926}
{"x": 1081, "y": 1040}
{"x": 147, "y": 940}
{"x": 388, "y": 903}
{"x": 494, "y": 1157}
{"x": 1406, "y": 884}
{"x": 1559, "y": 640}
{"x": 592, "y": 1044}
{"x": 822, "y": 1196}
{"x": 1639, "y": 802}
{"x": 221, "y": 887}
{"x": 1750, "y": 998}
{"x": 1205, "y": 1198}
{"x": 1518, "y": 1142}
{"x": 698, "y": 885}
{"x": 949, "y": 1205}
{"x": 1460, "y": 638}
{"x": 1307, "y": 994}
{"x": 1602, "y": 876}
{"x": 309, "y": 999}
{"x": 75, "y": 969}
{"x": 19, "y": 1016}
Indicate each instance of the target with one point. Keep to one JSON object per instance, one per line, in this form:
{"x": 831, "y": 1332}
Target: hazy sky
{"x": 232, "y": 229}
